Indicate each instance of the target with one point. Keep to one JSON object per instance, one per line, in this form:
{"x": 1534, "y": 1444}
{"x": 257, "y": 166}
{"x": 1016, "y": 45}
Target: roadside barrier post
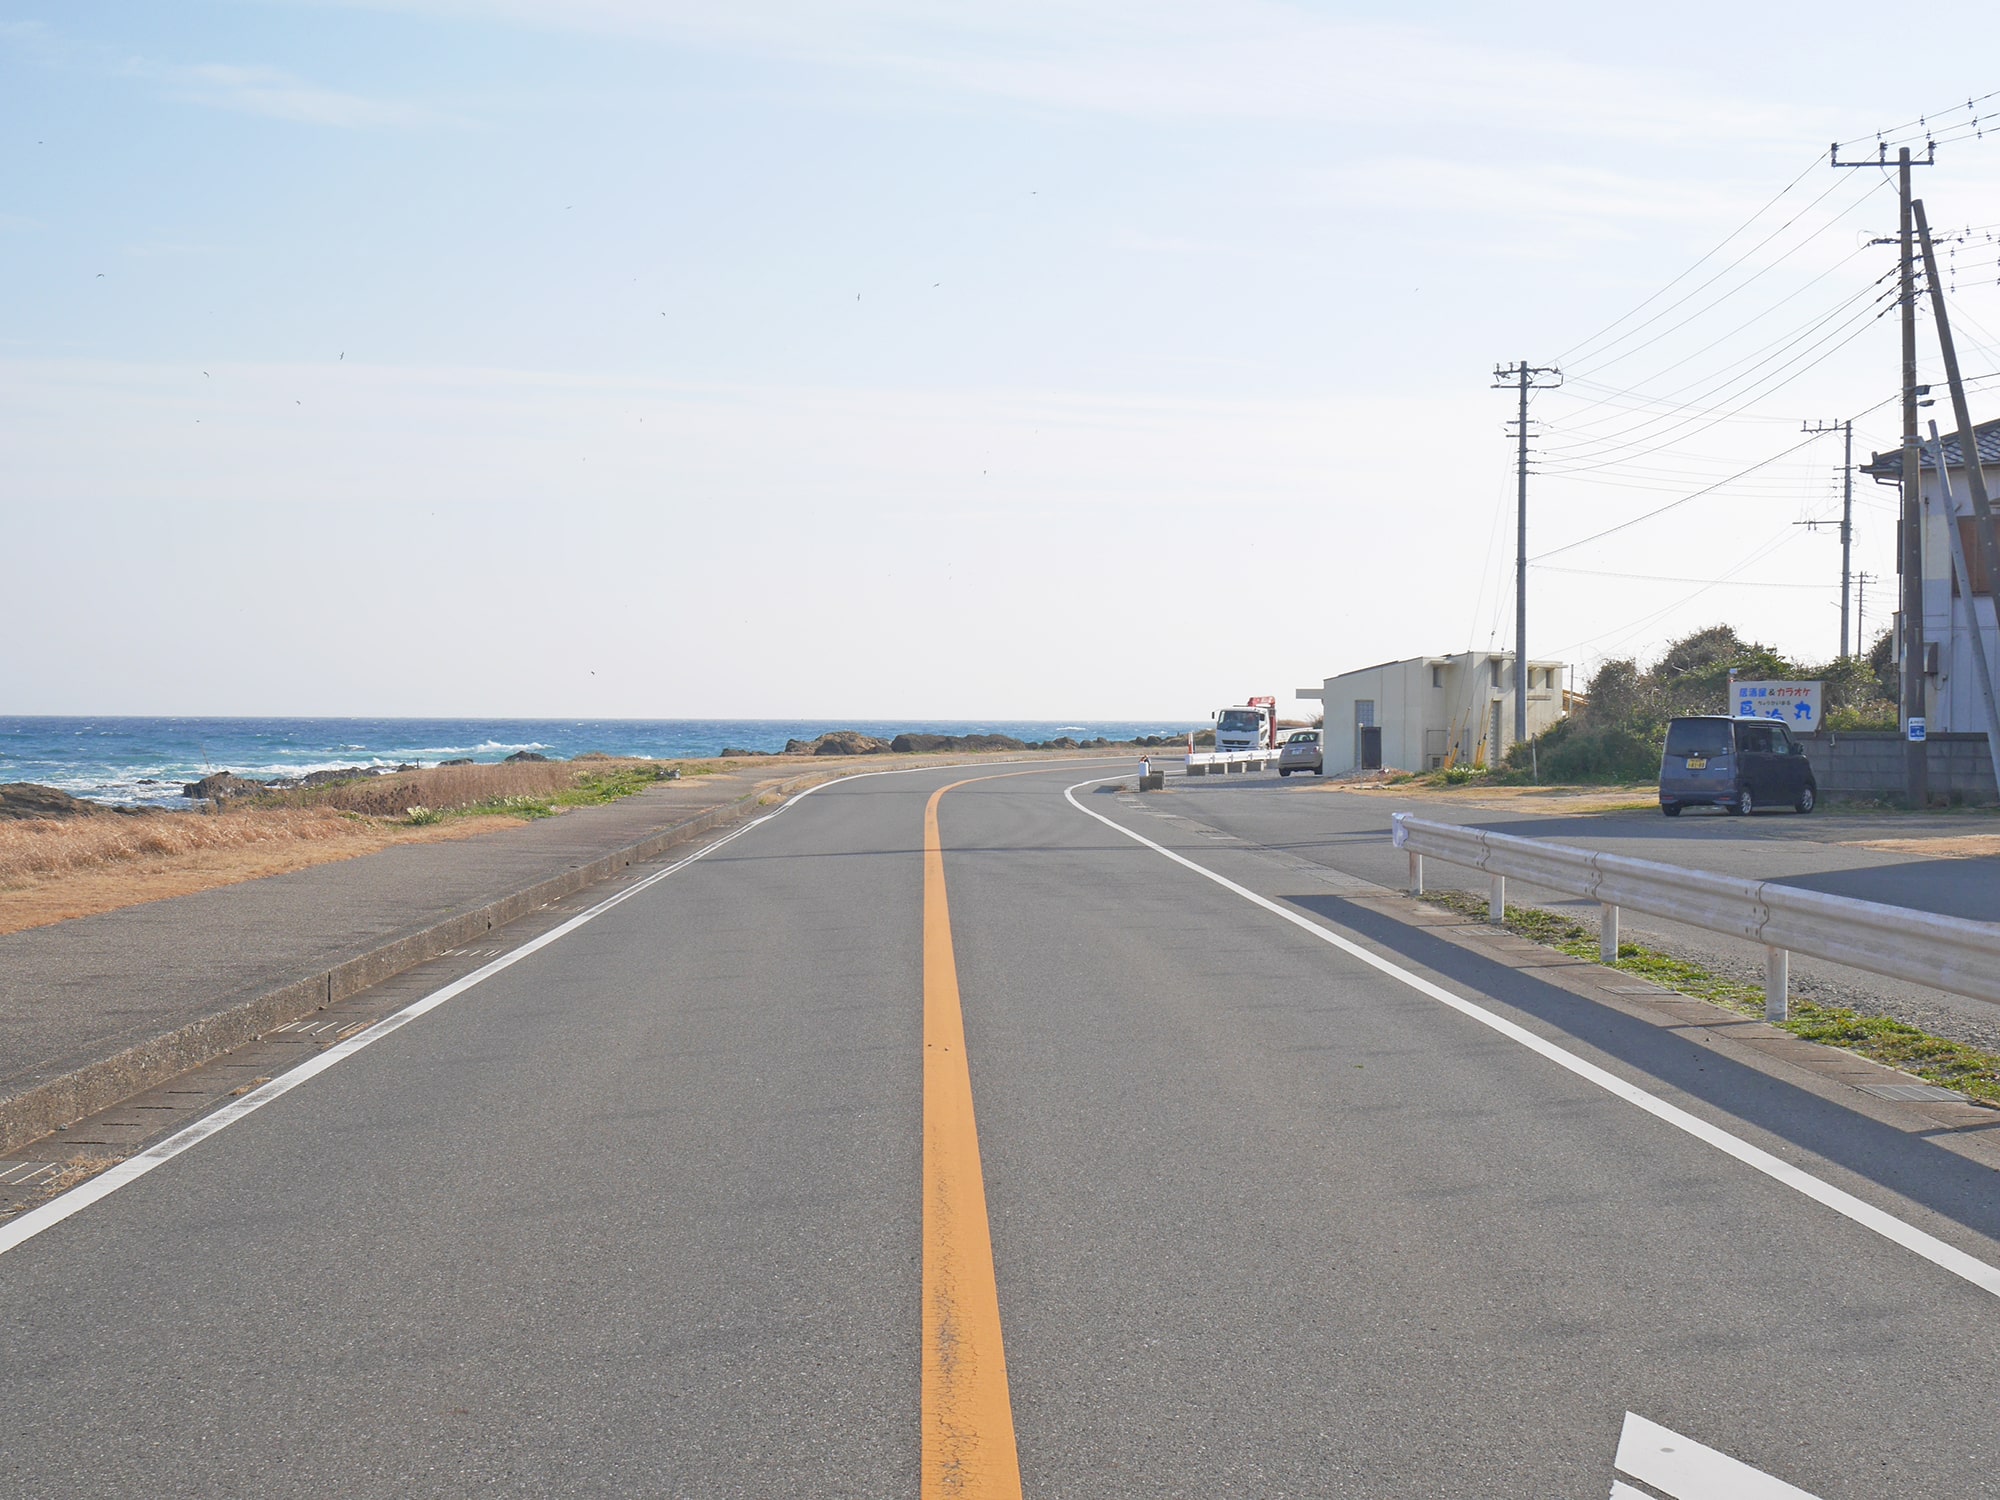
{"x": 1416, "y": 873}
{"x": 1777, "y": 967}
{"x": 1496, "y": 900}
{"x": 1607, "y": 934}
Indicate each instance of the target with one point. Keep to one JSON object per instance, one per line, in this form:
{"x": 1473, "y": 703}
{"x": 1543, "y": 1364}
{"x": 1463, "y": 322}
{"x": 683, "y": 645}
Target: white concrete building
{"x": 1431, "y": 711}
{"x": 1951, "y": 680}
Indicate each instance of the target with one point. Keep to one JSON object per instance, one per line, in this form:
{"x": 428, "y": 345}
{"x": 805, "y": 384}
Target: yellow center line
{"x": 968, "y": 1418}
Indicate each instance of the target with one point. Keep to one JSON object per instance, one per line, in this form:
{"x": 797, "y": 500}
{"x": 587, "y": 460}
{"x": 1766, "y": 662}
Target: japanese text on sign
{"x": 1792, "y": 703}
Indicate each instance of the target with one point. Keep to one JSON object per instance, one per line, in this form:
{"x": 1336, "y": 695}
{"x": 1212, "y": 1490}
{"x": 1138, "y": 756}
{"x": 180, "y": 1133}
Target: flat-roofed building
{"x": 1431, "y": 711}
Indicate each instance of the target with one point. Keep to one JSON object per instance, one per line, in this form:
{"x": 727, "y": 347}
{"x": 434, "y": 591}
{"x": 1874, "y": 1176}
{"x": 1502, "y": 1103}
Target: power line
{"x": 1741, "y": 583}
{"x": 1764, "y": 271}
{"x": 1674, "y": 505}
{"x": 1575, "y": 349}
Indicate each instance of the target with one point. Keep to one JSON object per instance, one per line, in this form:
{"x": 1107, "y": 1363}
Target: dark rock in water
{"x": 223, "y": 784}
{"x": 462, "y": 761}
{"x": 849, "y": 742}
{"x": 931, "y": 743}
{"x": 339, "y": 773}
{"x": 1061, "y": 742}
{"x": 520, "y": 755}
{"x": 838, "y": 742}
{"x": 322, "y": 778}
{"x": 24, "y": 799}
{"x": 731, "y": 752}
{"x": 591, "y": 755}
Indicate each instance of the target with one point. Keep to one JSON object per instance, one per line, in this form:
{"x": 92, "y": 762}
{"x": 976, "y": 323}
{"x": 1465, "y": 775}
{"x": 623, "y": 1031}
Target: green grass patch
{"x": 1952, "y": 1065}
{"x": 592, "y": 789}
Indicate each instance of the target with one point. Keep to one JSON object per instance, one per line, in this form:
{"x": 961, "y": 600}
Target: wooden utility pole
{"x": 1521, "y": 377}
{"x": 1916, "y": 777}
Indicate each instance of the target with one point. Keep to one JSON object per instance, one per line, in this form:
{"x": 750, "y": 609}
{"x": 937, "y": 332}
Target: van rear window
{"x": 1697, "y": 737}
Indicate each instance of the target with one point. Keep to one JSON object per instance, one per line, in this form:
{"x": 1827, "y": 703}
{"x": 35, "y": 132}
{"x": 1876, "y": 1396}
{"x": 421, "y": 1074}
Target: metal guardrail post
{"x": 1416, "y": 873}
{"x": 1607, "y": 934}
{"x": 1496, "y": 900}
{"x": 1777, "y": 973}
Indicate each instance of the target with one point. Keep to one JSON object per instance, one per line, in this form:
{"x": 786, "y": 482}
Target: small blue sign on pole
{"x": 1916, "y": 729}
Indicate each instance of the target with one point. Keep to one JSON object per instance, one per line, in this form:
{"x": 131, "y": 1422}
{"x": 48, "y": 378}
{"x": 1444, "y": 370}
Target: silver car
{"x": 1300, "y": 752}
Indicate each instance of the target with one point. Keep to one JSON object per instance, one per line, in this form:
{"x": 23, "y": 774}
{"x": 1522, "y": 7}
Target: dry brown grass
{"x": 88, "y": 872}
{"x": 36, "y": 849}
{"x": 77, "y": 1169}
{"x": 452, "y": 786}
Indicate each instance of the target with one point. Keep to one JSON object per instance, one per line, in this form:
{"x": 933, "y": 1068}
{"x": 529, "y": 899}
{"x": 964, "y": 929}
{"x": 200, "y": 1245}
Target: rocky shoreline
{"x": 28, "y": 800}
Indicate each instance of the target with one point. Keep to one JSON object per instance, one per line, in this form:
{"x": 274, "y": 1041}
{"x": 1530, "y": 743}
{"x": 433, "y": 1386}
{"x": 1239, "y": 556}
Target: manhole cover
{"x": 1914, "y": 1092}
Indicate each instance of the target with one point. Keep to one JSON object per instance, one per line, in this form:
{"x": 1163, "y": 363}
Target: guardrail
{"x": 1947, "y": 953}
{"x": 1217, "y": 762}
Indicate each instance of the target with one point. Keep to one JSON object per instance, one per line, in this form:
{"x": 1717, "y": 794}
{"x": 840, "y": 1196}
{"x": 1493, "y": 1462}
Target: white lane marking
{"x": 1930, "y": 1247}
{"x": 1620, "y": 1490}
{"x": 133, "y": 1169}
{"x": 1681, "y": 1467}
{"x": 109, "y": 1181}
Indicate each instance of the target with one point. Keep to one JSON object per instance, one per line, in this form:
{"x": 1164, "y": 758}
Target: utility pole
{"x": 1861, "y": 582}
{"x": 1968, "y": 439}
{"x": 1916, "y": 777}
{"x": 1521, "y": 376}
{"x": 1846, "y": 516}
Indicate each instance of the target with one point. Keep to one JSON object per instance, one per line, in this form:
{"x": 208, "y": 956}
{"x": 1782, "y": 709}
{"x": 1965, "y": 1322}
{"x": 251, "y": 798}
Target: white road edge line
{"x": 109, "y": 1181}
{"x": 1930, "y": 1247}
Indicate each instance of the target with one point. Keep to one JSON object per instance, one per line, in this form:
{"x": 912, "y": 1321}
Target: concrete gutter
{"x": 58, "y": 1100}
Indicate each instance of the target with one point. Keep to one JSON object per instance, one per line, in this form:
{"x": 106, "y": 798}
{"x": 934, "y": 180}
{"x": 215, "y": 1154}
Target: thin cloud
{"x": 1181, "y": 59}
{"x": 278, "y": 95}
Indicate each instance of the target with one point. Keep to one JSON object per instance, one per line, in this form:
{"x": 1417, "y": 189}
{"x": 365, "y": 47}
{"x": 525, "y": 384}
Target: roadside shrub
{"x": 1617, "y": 730}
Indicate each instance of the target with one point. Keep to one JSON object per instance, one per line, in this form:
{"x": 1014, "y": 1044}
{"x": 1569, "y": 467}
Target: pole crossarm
{"x": 1881, "y": 157}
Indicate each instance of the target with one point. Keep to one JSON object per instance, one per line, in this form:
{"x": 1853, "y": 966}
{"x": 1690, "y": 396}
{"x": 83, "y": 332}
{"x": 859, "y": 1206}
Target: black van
{"x": 1740, "y": 764}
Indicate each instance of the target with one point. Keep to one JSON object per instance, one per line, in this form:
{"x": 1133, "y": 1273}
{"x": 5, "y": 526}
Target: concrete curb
{"x": 70, "y": 1096}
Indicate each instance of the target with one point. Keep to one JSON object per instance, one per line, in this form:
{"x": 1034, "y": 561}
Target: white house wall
{"x": 1953, "y": 702}
{"x": 1409, "y": 710}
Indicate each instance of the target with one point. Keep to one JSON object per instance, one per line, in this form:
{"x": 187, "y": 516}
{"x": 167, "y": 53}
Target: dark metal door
{"x": 1371, "y": 747}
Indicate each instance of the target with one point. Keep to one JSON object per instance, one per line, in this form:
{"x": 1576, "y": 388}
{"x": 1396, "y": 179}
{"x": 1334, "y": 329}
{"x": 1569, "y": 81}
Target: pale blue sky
{"x": 910, "y": 358}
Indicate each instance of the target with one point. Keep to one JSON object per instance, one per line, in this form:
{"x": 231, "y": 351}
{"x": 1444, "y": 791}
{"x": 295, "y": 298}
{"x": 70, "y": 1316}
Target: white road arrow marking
{"x": 1686, "y": 1470}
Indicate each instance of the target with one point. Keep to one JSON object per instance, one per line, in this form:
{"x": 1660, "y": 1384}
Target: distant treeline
{"x": 1616, "y": 733}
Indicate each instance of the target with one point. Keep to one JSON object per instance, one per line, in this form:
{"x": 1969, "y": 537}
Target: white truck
{"x": 1247, "y": 726}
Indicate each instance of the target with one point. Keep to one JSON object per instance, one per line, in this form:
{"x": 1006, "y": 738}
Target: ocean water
{"x": 149, "y": 760}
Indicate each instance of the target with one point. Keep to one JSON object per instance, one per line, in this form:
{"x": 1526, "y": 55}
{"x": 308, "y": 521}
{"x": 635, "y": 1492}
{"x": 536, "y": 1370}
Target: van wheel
{"x": 1284, "y": 771}
{"x": 1808, "y": 798}
{"x": 1671, "y": 809}
{"x": 1744, "y": 805}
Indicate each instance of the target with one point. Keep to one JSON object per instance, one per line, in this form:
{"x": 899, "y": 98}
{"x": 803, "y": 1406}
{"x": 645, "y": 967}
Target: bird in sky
{"x": 100, "y": 275}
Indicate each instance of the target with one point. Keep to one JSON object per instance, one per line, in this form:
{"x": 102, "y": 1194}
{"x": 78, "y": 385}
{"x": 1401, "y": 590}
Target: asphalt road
{"x": 645, "y": 1213}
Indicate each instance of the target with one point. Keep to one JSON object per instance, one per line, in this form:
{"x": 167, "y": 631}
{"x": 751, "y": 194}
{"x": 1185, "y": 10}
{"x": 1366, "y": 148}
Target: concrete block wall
{"x": 1869, "y": 763}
